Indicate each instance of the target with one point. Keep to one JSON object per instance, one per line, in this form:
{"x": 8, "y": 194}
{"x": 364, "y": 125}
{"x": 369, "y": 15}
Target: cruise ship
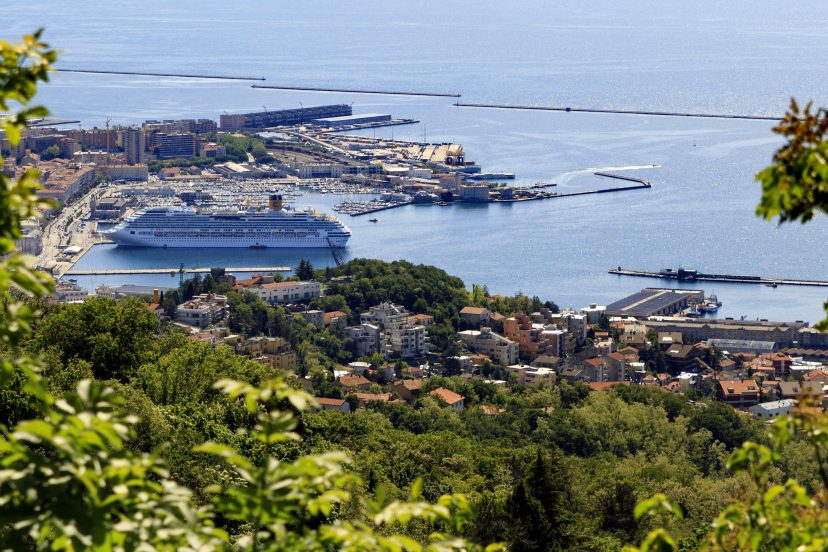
{"x": 175, "y": 226}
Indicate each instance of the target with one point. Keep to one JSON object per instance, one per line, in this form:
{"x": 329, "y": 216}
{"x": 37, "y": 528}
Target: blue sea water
{"x": 743, "y": 56}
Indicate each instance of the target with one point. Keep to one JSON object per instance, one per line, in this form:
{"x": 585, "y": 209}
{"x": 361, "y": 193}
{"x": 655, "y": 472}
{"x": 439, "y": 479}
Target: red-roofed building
{"x": 333, "y": 404}
{"x": 738, "y": 393}
{"x": 605, "y": 385}
{"x": 365, "y": 398}
{"x": 407, "y": 389}
{"x": 451, "y": 398}
{"x": 355, "y": 382}
{"x": 490, "y": 410}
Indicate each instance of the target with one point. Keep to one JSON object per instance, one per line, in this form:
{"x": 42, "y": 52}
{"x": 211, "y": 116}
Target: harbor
{"x": 689, "y": 275}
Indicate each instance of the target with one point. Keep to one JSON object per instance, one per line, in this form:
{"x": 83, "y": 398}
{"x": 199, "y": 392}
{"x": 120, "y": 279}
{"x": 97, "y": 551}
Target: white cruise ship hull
{"x": 226, "y": 242}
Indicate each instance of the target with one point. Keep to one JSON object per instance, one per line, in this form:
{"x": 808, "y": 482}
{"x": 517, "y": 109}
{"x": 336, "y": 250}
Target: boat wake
{"x": 565, "y": 177}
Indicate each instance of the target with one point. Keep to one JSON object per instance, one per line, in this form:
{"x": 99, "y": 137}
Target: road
{"x": 68, "y": 229}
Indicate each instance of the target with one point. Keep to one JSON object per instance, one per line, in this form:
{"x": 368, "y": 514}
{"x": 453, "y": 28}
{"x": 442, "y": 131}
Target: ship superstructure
{"x": 176, "y": 226}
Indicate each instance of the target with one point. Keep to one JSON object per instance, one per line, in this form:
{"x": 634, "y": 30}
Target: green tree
{"x": 304, "y": 270}
{"x": 50, "y": 153}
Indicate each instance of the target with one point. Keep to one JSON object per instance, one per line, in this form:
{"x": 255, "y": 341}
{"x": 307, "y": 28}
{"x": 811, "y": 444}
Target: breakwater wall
{"x": 726, "y": 278}
{"x": 150, "y": 74}
{"x": 359, "y": 91}
{"x": 618, "y": 111}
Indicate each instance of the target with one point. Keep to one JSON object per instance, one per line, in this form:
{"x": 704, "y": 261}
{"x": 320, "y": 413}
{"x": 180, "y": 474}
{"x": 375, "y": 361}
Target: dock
{"x": 173, "y": 270}
{"x": 726, "y": 278}
{"x": 618, "y": 111}
{"x": 367, "y": 126}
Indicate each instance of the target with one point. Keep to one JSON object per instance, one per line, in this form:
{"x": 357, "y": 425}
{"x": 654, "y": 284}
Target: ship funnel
{"x": 275, "y": 202}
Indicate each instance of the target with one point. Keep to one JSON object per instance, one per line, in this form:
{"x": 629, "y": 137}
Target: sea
{"x": 737, "y": 57}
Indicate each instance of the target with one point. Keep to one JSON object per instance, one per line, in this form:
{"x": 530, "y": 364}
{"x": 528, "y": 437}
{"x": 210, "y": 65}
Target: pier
{"x": 366, "y": 126}
{"x": 174, "y": 270}
{"x": 692, "y": 276}
{"x": 358, "y": 91}
{"x": 146, "y": 74}
{"x": 618, "y": 111}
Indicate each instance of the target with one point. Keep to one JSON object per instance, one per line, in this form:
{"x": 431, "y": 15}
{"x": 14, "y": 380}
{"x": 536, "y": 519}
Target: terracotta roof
{"x": 617, "y": 356}
{"x": 411, "y": 385}
{"x": 814, "y": 375}
{"x": 448, "y": 397}
{"x": 354, "y": 381}
{"x": 497, "y": 316}
{"x": 423, "y": 316}
{"x": 628, "y": 351}
{"x": 597, "y": 361}
{"x": 329, "y": 402}
{"x": 367, "y": 397}
{"x": 738, "y": 387}
{"x": 473, "y": 310}
{"x": 329, "y": 316}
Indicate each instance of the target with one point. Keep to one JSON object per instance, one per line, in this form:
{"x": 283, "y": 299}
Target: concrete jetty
{"x": 148, "y": 74}
{"x": 173, "y": 270}
{"x": 359, "y": 91}
{"x": 618, "y": 111}
{"x": 726, "y": 278}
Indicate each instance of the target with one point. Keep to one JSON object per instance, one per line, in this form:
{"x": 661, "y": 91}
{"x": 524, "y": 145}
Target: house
{"x": 770, "y": 410}
{"x": 530, "y": 375}
{"x": 683, "y": 358}
{"x": 337, "y": 318}
{"x": 355, "y": 382}
{"x": 546, "y": 361}
{"x": 451, "y": 398}
{"x": 423, "y": 319}
{"x": 407, "y": 389}
{"x": 816, "y": 375}
{"x": 365, "y": 398}
{"x": 738, "y": 393}
{"x": 811, "y": 391}
{"x": 333, "y": 404}
{"x": 571, "y": 374}
{"x": 605, "y": 385}
{"x": 475, "y": 317}
{"x": 315, "y": 317}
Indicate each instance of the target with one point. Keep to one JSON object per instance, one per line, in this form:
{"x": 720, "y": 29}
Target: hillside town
{"x": 760, "y": 367}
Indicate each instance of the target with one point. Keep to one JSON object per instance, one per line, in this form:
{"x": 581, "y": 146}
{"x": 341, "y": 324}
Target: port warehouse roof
{"x": 743, "y": 345}
{"x": 652, "y": 301}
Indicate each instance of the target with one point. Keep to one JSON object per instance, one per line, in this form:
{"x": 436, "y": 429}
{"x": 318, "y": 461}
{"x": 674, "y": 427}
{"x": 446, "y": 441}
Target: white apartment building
{"x": 202, "y": 310}
{"x": 485, "y": 342}
{"x": 286, "y": 292}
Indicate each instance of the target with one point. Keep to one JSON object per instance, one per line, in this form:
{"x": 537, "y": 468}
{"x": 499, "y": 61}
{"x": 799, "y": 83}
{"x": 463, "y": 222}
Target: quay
{"x": 618, "y": 111}
{"x": 692, "y": 276}
{"x": 378, "y": 209}
{"x": 358, "y": 91}
{"x": 374, "y": 124}
{"x": 175, "y": 270}
{"x": 145, "y": 74}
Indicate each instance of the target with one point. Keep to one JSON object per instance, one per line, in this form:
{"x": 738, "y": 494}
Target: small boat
{"x": 693, "y": 312}
{"x": 373, "y": 220}
{"x": 772, "y": 284}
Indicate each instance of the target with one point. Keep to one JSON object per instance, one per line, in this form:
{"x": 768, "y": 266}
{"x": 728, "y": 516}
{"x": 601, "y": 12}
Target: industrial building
{"x": 784, "y": 334}
{"x": 346, "y": 120}
{"x": 654, "y": 302}
{"x": 283, "y": 117}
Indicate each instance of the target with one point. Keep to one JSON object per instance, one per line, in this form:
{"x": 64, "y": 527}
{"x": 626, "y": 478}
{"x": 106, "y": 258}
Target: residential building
{"x": 594, "y": 312}
{"x": 353, "y": 383}
{"x": 31, "y": 241}
{"x": 400, "y": 332}
{"x": 172, "y": 146}
{"x": 683, "y": 358}
{"x": 530, "y": 375}
{"x": 202, "y": 310}
{"x": 135, "y": 145}
{"x": 333, "y": 404}
{"x": 280, "y": 292}
{"x": 770, "y": 410}
{"x": 70, "y": 293}
{"x": 738, "y": 393}
{"x": 212, "y": 150}
{"x": 407, "y": 389}
{"x": 315, "y": 317}
{"x": 475, "y": 316}
{"x": 63, "y": 180}
{"x": 368, "y": 339}
{"x": 451, "y": 398}
{"x": 500, "y": 349}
